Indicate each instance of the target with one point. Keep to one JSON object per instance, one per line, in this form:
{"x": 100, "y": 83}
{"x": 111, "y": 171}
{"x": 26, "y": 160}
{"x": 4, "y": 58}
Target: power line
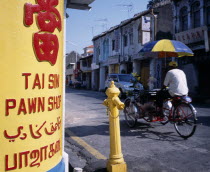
{"x": 104, "y": 22}
{"x": 128, "y": 6}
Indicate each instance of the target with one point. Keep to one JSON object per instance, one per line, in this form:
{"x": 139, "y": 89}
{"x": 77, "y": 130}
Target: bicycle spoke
{"x": 189, "y": 122}
{"x": 130, "y": 114}
{"x": 184, "y": 120}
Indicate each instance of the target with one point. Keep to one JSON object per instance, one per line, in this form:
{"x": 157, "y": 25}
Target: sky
{"x": 82, "y": 26}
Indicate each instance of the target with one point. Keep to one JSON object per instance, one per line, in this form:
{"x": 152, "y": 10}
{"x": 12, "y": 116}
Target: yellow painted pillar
{"x": 116, "y": 162}
{"x": 31, "y": 101}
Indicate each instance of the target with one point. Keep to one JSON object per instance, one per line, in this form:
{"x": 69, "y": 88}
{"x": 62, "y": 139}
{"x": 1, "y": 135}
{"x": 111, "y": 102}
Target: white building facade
{"x": 115, "y": 50}
{"x": 192, "y": 27}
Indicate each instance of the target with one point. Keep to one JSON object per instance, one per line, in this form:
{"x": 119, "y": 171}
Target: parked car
{"x": 125, "y": 83}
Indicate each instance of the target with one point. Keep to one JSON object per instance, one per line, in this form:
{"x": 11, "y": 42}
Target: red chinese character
{"x": 48, "y": 16}
{"x": 46, "y": 47}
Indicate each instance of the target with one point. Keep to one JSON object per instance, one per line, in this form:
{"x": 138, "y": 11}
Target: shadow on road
{"x": 148, "y": 131}
{"x": 142, "y": 130}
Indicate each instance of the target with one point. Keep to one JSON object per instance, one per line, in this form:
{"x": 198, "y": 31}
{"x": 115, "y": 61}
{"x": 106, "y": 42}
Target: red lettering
{"x": 8, "y": 106}
{"x": 57, "y": 146}
{"x": 43, "y": 154}
{"x": 51, "y": 81}
{"x": 37, "y": 82}
{"x": 58, "y": 102}
{"x": 32, "y": 105}
{"x": 46, "y": 47}
{"x": 25, "y": 154}
{"x": 7, "y": 168}
{"x": 52, "y": 150}
{"x": 41, "y": 104}
{"x": 48, "y": 16}
{"x": 50, "y": 103}
{"x": 54, "y": 81}
{"x": 54, "y": 102}
{"x": 22, "y": 107}
{"x": 35, "y": 155}
{"x": 26, "y": 79}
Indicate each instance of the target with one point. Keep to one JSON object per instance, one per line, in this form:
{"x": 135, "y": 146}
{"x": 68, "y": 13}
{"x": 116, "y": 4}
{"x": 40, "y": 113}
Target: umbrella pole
{"x": 165, "y": 59}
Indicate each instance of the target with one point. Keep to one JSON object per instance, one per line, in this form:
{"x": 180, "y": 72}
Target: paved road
{"x": 148, "y": 147}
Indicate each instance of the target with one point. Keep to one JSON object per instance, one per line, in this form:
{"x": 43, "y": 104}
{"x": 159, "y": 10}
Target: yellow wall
{"x": 27, "y": 134}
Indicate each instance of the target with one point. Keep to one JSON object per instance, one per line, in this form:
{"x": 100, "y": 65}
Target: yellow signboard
{"x": 31, "y": 79}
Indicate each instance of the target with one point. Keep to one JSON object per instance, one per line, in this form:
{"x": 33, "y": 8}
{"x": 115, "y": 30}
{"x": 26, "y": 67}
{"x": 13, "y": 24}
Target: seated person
{"x": 176, "y": 82}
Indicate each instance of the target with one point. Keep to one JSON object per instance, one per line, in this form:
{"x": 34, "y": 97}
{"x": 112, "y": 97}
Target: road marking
{"x": 81, "y": 142}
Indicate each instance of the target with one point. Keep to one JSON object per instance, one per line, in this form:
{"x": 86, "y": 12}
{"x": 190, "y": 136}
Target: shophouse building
{"x": 85, "y": 67}
{"x": 117, "y": 49}
{"x": 72, "y": 66}
{"x": 192, "y": 27}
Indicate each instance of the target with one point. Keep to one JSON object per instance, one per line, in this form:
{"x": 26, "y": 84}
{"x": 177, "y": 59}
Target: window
{"x": 195, "y": 9}
{"x": 125, "y": 40}
{"x": 84, "y": 63}
{"x": 69, "y": 66}
{"x": 113, "y": 78}
{"x": 131, "y": 36}
{"x": 105, "y": 49}
{"x": 113, "y": 45}
{"x": 125, "y": 78}
{"x": 183, "y": 19}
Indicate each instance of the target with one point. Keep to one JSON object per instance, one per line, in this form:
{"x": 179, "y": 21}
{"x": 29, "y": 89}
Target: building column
{"x": 102, "y": 78}
{"x": 123, "y": 67}
{"x": 92, "y": 79}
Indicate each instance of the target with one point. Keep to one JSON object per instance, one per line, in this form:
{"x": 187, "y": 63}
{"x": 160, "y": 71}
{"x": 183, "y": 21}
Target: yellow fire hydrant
{"x": 116, "y": 162}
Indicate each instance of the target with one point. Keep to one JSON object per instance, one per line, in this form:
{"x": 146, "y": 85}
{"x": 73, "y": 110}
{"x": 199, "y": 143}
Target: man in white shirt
{"x": 176, "y": 82}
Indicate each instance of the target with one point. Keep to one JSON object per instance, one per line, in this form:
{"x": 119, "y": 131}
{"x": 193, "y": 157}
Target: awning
{"x": 79, "y": 4}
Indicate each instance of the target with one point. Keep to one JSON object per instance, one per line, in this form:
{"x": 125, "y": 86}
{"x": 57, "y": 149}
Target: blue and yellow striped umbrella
{"x": 166, "y": 48}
